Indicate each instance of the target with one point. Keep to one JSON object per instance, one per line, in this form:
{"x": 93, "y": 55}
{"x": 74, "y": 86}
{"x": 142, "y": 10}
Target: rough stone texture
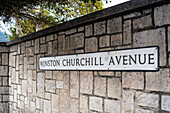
{"x": 81, "y": 28}
{"x": 64, "y": 101}
{"x": 71, "y": 31}
{"x": 135, "y": 14}
{"x": 55, "y": 103}
{"x": 74, "y": 106}
{"x": 128, "y": 102}
{"x": 58, "y": 75}
{"x": 43, "y": 48}
{"x": 111, "y": 106}
{"x": 74, "y": 84}
{"x": 55, "y": 49}
{"x": 40, "y": 84}
{"x": 100, "y": 86}
{"x": 104, "y": 41}
{"x": 50, "y": 38}
{"x": 152, "y": 38}
{"x": 91, "y": 44}
{"x": 158, "y": 81}
{"x": 47, "y": 106}
{"x": 59, "y": 84}
{"x": 77, "y": 41}
{"x": 50, "y": 49}
{"x": 127, "y": 32}
{"x": 48, "y": 74}
{"x": 134, "y": 80}
{"x": 30, "y": 51}
{"x": 86, "y": 82}
{"x": 161, "y": 15}
{"x": 99, "y": 28}
{"x": 24, "y": 87}
{"x": 5, "y": 58}
{"x": 83, "y": 104}
{"x": 137, "y": 110}
{"x": 88, "y": 30}
{"x": 114, "y": 25}
{"x": 165, "y": 104}
{"x": 4, "y": 70}
{"x": 147, "y": 99}
{"x": 114, "y": 87}
{"x": 50, "y": 85}
{"x": 169, "y": 39}
{"x": 106, "y": 73}
{"x": 116, "y": 40}
{"x": 143, "y": 22}
{"x": 95, "y": 103}
{"x": 61, "y": 43}
{"x": 42, "y": 40}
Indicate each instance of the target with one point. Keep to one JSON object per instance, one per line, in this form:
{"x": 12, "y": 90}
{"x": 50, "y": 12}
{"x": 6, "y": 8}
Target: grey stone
{"x": 116, "y": 40}
{"x": 42, "y": 40}
{"x": 55, "y": 103}
{"x": 40, "y": 84}
{"x": 58, "y": 75}
{"x": 55, "y": 48}
{"x": 32, "y": 107}
{"x": 71, "y": 31}
{"x": 169, "y": 39}
{"x": 152, "y": 38}
{"x": 61, "y": 43}
{"x": 88, "y": 30}
{"x": 81, "y": 28}
{"x": 95, "y": 103}
{"x": 47, "y": 106}
{"x": 50, "y": 49}
{"x": 30, "y": 51}
{"x": 59, "y": 84}
{"x": 143, "y": 22}
{"x": 99, "y": 28}
{"x": 83, "y": 104}
{"x": 77, "y": 41}
{"x": 137, "y": 110}
{"x": 91, "y": 44}
{"x": 5, "y": 59}
{"x": 4, "y": 70}
{"x": 28, "y": 43}
{"x": 74, "y": 106}
{"x": 147, "y": 99}
{"x": 64, "y": 101}
{"x": 74, "y": 84}
{"x": 111, "y": 106}
{"x": 165, "y": 104}
{"x": 114, "y": 25}
{"x": 23, "y": 47}
{"x": 24, "y": 87}
{"x": 104, "y": 41}
{"x": 29, "y": 80}
{"x": 127, "y": 32}
{"x": 43, "y": 48}
{"x": 135, "y": 14}
{"x": 50, "y": 38}
{"x": 100, "y": 86}
{"x": 66, "y": 79}
{"x": 50, "y": 85}
{"x": 37, "y": 46}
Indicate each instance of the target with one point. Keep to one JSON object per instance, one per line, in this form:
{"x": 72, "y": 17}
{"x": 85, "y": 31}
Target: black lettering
{"x": 132, "y": 59}
{"x": 68, "y": 62}
{"x": 118, "y": 60}
{"x": 95, "y": 61}
{"x": 111, "y": 61}
{"x": 149, "y": 59}
{"x": 124, "y": 59}
{"x": 101, "y": 61}
{"x": 81, "y": 61}
{"x": 72, "y": 62}
{"x": 92, "y": 61}
{"x": 77, "y": 62}
{"x": 144, "y": 60}
{"x": 63, "y": 62}
{"x": 87, "y": 61}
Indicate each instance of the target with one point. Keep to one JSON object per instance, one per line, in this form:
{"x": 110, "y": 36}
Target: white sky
{"x": 5, "y": 27}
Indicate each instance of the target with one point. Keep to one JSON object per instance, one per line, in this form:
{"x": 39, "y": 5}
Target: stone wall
{"x": 138, "y": 23}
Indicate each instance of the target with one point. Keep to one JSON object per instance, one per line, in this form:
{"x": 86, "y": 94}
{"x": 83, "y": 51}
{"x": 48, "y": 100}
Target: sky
{"x": 5, "y": 27}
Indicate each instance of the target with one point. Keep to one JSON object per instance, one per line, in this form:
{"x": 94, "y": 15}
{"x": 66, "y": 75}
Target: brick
{"x": 74, "y": 106}
{"x": 59, "y": 84}
{"x": 71, "y": 31}
{"x": 143, "y": 22}
{"x": 83, "y": 104}
{"x": 133, "y": 80}
{"x": 4, "y": 58}
{"x": 165, "y": 103}
{"x": 147, "y": 99}
{"x": 49, "y": 38}
{"x": 64, "y": 101}
{"x": 43, "y": 48}
{"x": 40, "y": 84}
{"x": 114, "y": 87}
{"x": 158, "y": 81}
{"x": 77, "y": 41}
{"x": 99, "y": 28}
{"x": 47, "y": 106}
{"x": 161, "y": 15}
{"x": 42, "y": 40}
{"x": 88, "y": 30}
{"x": 55, "y": 103}
{"x": 55, "y": 48}
{"x": 50, "y": 49}
{"x": 37, "y": 46}
{"x": 74, "y": 84}
{"x": 50, "y": 85}
{"x": 152, "y": 38}
{"x": 128, "y": 102}
{"x": 86, "y": 82}
{"x": 91, "y": 44}
{"x": 24, "y": 87}
{"x": 114, "y": 25}
{"x": 111, "y": 106}
{"x": 104, "y": 41}
{"x": 127, "y": 32}
{"x": 137, "y": 110}
{"x": 100, "y": 86}
{"x": 116, "y": 40}
{"x": 95, "y": 103}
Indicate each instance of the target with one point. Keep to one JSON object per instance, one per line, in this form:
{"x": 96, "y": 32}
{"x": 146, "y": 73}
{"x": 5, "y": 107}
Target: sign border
{"x": 100, "y": 69}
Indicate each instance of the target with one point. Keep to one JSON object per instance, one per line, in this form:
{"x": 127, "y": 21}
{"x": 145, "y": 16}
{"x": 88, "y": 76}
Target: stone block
{"x": 40, "y": 84}
{"x": 114, "y": 25}
{"x": 61, "y": 43}
{"x": 68, "y": 43}
{"x": 152, "y": 38}
{"x": 143, "y": 22}
{"x": 24, "y": 87}
{"x": 95, "y": 103}
{"x": 34, "y": 88}
{"x": 55, "y": 103}
{"x": 104, "y": 41}
{"x": 64, "y": 101}
{"x": 4, "y": 70}
{"x": 158, "y": 81}
{"x": 47, "y": 96}
{"x": 114, "y": 87}
{"x": 86, "y": 82}
{"x": 13, "y": 48}
{"x": 42, "y": 40}
{"x": 134, "y": 80}
{"x": 74, "y": 106}
{"x": 106, "y": 73}
{"x": 127, "y": 32}
{"x": 161, "y": 15}
{"x": 71, "y": 31}
{"x": 23, "y": 47}
{"x": 169, "y": 39}
{"x": 4, "y": 107}
{"x": 137, "y": 110}
{"x": 88, "y": 30}
{"x": 99, "y": 28}
{"x": 43, "y": 48}
{"x": 47, "y": 106}
{"x": 165, "y": 103}
{"x": 48, "y": 74}
{"x": 30, "y": 51}
{"x": 77, "y": 41}
{"x": 50, "y": 38}
{"x": 59, "y": 84}
{"x": 81, "y": 28}
{"x": 37, "y": 46}
{"x": 74, "y": 84}
{"x": 28, "y": 43}
{"x": 100, "y": 86}
{"x": 21, "y": 59}
{"x": 116, "y": 40}
{"x": 147, "y": 99}
{"x": 135, "y": 14}
{"x": 128, "y": 102}
{"x": 32, "y": 107}
{"x": 19, "y": 49}
{"x": 55, "y": 49}
{"x": 111, "y": 106}
{"x": 5, "y": 59}
{"x": 66, "y": 79}
{"x": 58, "y": 75}
{"x": 91, "y": 45}
{"x": 21, "y": 71}
{"x": 83, "y": 104}
{"x": 50, "y": 85}
{"x": 4, "y": 49}
{"x": 50, "y": 48}
{"x": 29, "y": 80}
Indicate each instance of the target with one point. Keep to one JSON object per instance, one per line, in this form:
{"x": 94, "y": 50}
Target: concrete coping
{"x": 117, "y": 10}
